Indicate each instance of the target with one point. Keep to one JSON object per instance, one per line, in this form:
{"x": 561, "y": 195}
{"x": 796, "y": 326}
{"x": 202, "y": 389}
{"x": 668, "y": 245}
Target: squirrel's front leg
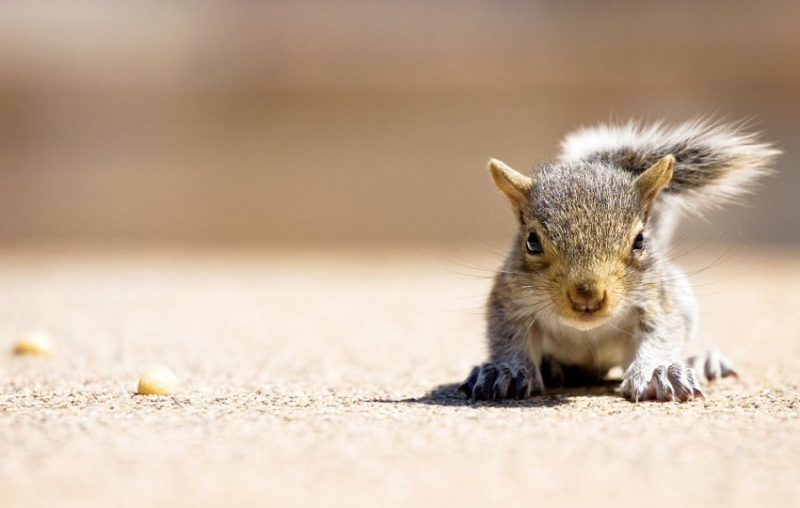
{"x": 512, "y": 371}
{"x": 658, "y": 371}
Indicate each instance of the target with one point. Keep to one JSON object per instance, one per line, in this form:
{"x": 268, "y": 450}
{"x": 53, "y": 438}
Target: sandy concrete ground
{"x": 320, "y": 379}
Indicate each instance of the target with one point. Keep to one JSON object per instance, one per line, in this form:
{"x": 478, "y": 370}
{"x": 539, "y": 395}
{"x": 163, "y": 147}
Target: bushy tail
{"x": 714, "y": 162}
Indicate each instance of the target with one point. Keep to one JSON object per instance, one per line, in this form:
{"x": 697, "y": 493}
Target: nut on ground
{"x": 34, "y": 342}
{"x": 157, "y": 381}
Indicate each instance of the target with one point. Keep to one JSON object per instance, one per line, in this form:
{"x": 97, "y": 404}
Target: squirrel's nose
{"x": 586, "y": 298}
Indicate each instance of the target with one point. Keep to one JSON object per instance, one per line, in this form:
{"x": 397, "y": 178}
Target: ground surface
{"x": 326, "y": 380}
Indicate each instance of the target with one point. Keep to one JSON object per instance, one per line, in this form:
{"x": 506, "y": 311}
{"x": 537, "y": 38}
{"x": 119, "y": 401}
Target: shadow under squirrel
{"x": 587, "y": 285}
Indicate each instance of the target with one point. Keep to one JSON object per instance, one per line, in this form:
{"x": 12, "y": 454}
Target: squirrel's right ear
{"x": 513, "y": 184}
{"x": 654, "y": 179}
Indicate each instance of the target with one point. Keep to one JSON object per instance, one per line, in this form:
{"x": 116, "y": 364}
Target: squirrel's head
{"x": 582, "y": 248}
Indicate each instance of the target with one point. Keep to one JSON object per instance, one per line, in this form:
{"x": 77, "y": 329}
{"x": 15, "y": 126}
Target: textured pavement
{"x": 327, "y": 379}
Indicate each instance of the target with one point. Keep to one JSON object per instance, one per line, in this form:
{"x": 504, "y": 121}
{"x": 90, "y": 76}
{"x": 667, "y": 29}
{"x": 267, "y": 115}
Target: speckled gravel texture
{"x": 327, "y": 379}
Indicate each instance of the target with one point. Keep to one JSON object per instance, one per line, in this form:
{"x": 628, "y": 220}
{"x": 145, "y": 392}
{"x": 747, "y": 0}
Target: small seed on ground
{"x": 34, "y": 342}
{"x": 157, "y": 381}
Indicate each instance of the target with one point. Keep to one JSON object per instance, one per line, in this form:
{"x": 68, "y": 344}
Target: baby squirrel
{"x": 587, "y": 284}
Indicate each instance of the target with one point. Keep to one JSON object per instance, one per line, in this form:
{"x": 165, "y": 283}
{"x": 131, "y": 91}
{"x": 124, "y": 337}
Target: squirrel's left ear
{"x": 515, "y": 185}
{"x": 653, "y": 180}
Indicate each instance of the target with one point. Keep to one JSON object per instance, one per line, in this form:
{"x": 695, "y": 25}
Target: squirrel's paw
{"x": 498, "y": 381}
{"x": 663, "y": 383}
{"x": 713, "y": 364}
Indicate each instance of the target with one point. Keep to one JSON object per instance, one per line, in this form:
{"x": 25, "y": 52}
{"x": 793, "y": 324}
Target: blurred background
{"x": 357, "y": 122}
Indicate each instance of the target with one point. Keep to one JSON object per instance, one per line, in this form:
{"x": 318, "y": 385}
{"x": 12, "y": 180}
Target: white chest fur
{"x": 608, "y": 345}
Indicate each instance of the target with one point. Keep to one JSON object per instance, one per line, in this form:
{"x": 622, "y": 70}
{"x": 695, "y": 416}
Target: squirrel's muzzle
{"x": 586, "y": 298}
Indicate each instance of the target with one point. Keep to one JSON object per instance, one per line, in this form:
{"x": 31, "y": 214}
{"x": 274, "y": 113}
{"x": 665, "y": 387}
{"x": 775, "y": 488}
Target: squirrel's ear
{"x": 654, "y": 179}
{"x": 513, "y": 184}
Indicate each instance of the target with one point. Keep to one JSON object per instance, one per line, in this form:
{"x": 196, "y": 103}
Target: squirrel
{"x": 588, "y": 285}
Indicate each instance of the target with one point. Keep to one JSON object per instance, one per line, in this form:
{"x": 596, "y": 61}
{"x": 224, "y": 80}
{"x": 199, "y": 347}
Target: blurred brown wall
{"x": 342, "y": 122}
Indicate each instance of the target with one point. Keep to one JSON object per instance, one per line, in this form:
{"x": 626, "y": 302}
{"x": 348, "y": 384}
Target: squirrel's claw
{"x": 485, "y": 383}
{"x": 502, "y": 381}
{"x": 713, "y": 364}
{"x": 503, "y": 384}
{"x": 469, "y": 384}
{"x": 697, "y": 392}
{"x": 675, "y": 382}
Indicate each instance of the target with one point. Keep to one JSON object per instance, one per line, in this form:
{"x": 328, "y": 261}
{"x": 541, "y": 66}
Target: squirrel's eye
{"x": 534, "y": 245}
{"x": 638, "y": 243}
